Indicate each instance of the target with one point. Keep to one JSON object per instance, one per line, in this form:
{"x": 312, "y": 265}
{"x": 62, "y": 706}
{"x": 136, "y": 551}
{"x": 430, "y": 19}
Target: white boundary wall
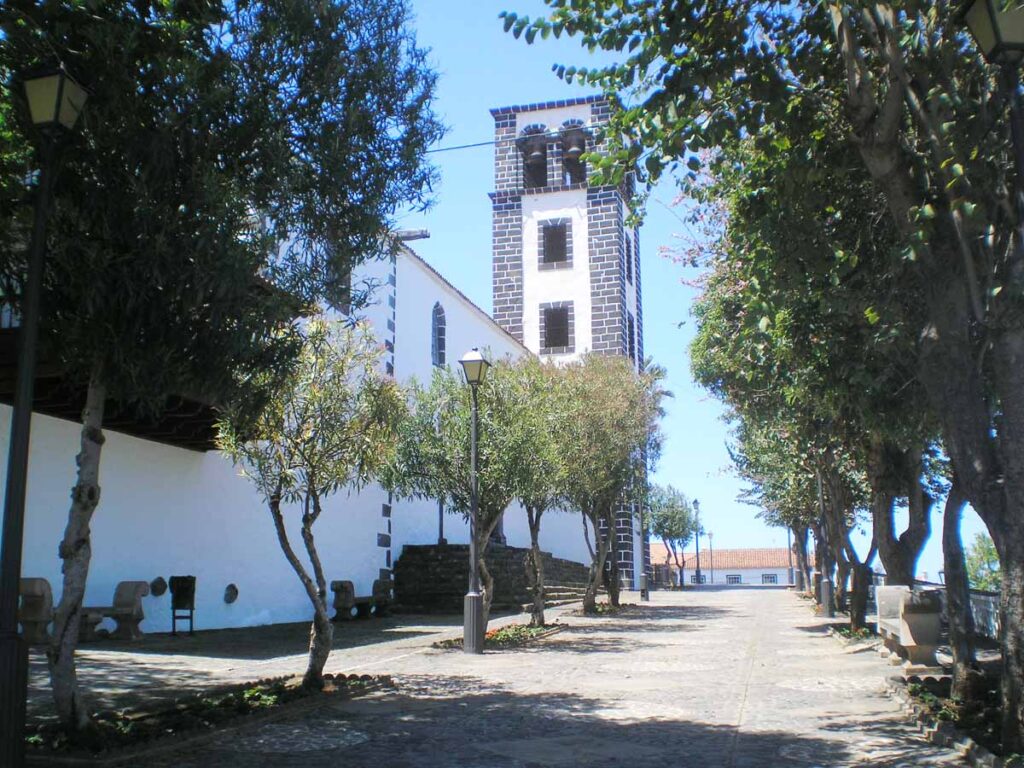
{"x": 169, "y": 511}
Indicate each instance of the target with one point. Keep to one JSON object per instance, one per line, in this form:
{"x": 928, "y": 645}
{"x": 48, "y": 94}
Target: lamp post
{"x": 711, "y": 552}
{"x": 54, "y": 101}
{"x": 696, "y": 509}
{"x": 475, "y": 367}
{"x": 998, "y": 30}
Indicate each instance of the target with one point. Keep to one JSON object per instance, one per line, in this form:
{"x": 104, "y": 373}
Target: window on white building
{"x": 555, "y": 328}
{"x": 733, "y": 578}
{"x": 769, "y": 578}
{"x": 438, "y": 332}
{"x": 554, "y": 242}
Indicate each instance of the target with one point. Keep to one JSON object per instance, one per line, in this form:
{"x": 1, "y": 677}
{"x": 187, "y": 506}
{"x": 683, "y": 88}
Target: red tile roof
{"x": 725, "y": 559}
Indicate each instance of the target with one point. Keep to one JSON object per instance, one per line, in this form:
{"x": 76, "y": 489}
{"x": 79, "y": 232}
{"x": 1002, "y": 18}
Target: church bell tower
{"x": 566, "y": 268}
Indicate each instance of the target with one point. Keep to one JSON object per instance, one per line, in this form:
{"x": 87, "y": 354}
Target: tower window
{"x": 556, "y": 328}
{"x": 533, "y": 144}
{"x": 437, "y": 335}
{"x": 574, "y": 144}
{"x": 554, "y": 244}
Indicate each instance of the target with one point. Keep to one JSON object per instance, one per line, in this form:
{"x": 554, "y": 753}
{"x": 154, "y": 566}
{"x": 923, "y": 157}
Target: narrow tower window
{"x": 437, "y": 336}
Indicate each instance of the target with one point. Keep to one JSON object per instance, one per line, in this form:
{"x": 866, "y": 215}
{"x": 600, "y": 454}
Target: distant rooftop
{"x": 548, "y": 105}
{"x": 722, "y": 559}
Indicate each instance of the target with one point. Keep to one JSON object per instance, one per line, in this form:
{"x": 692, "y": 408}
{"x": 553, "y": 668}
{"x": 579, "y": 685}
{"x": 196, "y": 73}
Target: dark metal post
{"x": 13, "y": 649}
{"x": 473, "y": 609}
{"x": 711, "y": 552}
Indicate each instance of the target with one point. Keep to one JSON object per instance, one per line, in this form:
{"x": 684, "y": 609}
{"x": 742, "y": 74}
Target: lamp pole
{"x": 711, "y": 552}
{"x": 54, "y": 101}
{"x": 696, "y": 508}
{"x": 475, "y": 367}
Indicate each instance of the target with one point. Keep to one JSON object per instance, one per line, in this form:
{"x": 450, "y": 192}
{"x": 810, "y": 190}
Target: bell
{"x": 574, "y": 143}
{"x": 536, "y": 156}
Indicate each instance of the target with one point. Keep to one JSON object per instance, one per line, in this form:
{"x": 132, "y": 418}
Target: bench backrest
{"x": 128, "y": 596}
{"x": 888, "y": 599}
{"x": 36, "y": 600}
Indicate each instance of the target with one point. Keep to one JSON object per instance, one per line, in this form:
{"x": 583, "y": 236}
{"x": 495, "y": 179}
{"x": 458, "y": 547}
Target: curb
{"x": 943, "y": 733}
{"x": 131, "y": 755}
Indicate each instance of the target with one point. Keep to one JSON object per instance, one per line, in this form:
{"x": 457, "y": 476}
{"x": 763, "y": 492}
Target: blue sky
{"x": 482, "y": 67}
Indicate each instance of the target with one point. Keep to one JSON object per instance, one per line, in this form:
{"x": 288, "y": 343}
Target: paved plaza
{"x": 720, "y": 677}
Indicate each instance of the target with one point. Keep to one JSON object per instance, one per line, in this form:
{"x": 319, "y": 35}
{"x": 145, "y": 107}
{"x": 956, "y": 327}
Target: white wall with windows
{"x": 169, "y": 511}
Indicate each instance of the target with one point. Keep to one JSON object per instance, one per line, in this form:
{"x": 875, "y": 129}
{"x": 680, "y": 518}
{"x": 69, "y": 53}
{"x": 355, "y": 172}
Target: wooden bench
{"x": 348, "y": 606}
{"x": 126, "y": 612}
{"x": 36, "y": 610}
{"x": 909, "y": 623}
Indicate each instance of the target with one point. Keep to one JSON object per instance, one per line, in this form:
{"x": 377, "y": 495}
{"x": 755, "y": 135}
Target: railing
{"x": 984, "y": 607}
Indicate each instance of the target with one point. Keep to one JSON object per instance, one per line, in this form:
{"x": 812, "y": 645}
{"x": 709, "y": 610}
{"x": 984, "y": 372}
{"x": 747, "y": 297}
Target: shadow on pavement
{"x": 432, "y": 722}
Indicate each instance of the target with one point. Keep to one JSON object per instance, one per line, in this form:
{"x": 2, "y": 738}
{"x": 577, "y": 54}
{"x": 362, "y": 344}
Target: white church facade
{"x": 173, "y": 505}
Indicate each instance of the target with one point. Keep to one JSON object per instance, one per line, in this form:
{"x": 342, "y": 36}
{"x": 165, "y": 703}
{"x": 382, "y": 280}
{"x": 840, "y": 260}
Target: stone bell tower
{"x": 566, "y": 268}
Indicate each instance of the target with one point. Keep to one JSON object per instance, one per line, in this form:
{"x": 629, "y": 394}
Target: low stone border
{"x": 943, "y": 733}
{"x": 132, "y": 755}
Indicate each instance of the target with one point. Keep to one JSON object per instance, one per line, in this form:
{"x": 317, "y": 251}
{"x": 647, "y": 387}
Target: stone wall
{"x": 434, "y": 577}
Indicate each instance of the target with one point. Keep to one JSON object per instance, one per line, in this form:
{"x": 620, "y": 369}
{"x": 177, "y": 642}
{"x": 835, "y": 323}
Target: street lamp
{"x": 475, "y": 366}
{"x": 999, "y": 34}
{"x": 696, "y": 509}
{"x": 54, "y": 101}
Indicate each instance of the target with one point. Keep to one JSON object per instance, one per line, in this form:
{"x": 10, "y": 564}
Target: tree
{"x": 332, "y": 424}
{"x": 903, "y": 87}
{"x": 612, "y": 433}
{"x": 538, "y": 390}
{"x": 983, "y": 569}
{"x": 199, "y": 187}
{"x": 433, "y": 456}
{"x": 671, "y": 520}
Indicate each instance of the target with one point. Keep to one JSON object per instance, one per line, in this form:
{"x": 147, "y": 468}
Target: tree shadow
{"x": 464, "y": 721}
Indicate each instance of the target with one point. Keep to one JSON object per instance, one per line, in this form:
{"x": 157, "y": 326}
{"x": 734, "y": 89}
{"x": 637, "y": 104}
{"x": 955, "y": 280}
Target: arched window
{"x": 437, "y": 335}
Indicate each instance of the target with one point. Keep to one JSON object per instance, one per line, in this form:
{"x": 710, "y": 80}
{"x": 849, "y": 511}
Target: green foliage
{"x": 331, "y": 423}
{"x": 433, "y": 456}
{"x": 983, "y": 571}
{"x": 221, "y": 141}
{"x": 671, "y": 517}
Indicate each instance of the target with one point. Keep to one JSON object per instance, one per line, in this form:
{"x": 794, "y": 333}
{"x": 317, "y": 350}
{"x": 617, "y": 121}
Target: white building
{"x": 760, "y": 566}
{"x": 171, "y": 505}
{"x": 566, "y": 280}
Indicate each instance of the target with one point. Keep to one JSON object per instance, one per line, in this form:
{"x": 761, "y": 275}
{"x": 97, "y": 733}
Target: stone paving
{"x": 737, "y": 678}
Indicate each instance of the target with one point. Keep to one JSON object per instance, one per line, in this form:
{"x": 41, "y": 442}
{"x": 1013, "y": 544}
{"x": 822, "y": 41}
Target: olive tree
{"x": 612, "y": 414}
{"x": 433, "y": 456}
{"x": 331, "y": 424}
{"x": 671, "y": 520}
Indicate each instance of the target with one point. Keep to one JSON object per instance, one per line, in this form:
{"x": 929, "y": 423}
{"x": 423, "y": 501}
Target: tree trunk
{"x": 1011, "y": 619}
{"x": 893, "y": 472}
{"x": 76, "y": 552}
{"x": 321, "y": 632}
{"x": 596, "y": 571}
{"x": 535, "y": 568}
{"x": 486, "y": 580}
{"x": 958, "y": 598}
{"x": 800, "y": 545}
{"x": 859, "y": 596}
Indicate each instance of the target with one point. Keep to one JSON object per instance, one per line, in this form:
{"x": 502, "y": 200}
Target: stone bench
{"x": 36, "y": 610}
{"x": 348, "y": 606}
{"x": 909, "y": 623}
{"x": 126, "y": 612}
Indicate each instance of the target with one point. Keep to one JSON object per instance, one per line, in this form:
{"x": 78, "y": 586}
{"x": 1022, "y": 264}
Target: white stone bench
{"x": 36, "y": 610}
{"x": 909, "y": 623}
{"x": 126, "y": 612}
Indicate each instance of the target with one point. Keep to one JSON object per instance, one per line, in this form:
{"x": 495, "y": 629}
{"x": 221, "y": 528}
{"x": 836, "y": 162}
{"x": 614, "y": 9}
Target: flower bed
{"x": 117, "y": 734}
{"x": 509, "y": 636}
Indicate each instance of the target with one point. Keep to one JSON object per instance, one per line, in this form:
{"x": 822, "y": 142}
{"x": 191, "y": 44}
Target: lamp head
{"x": 55, "y": 99}
{"x": 475, "y": 366}
{"x": 997, "y": 27}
